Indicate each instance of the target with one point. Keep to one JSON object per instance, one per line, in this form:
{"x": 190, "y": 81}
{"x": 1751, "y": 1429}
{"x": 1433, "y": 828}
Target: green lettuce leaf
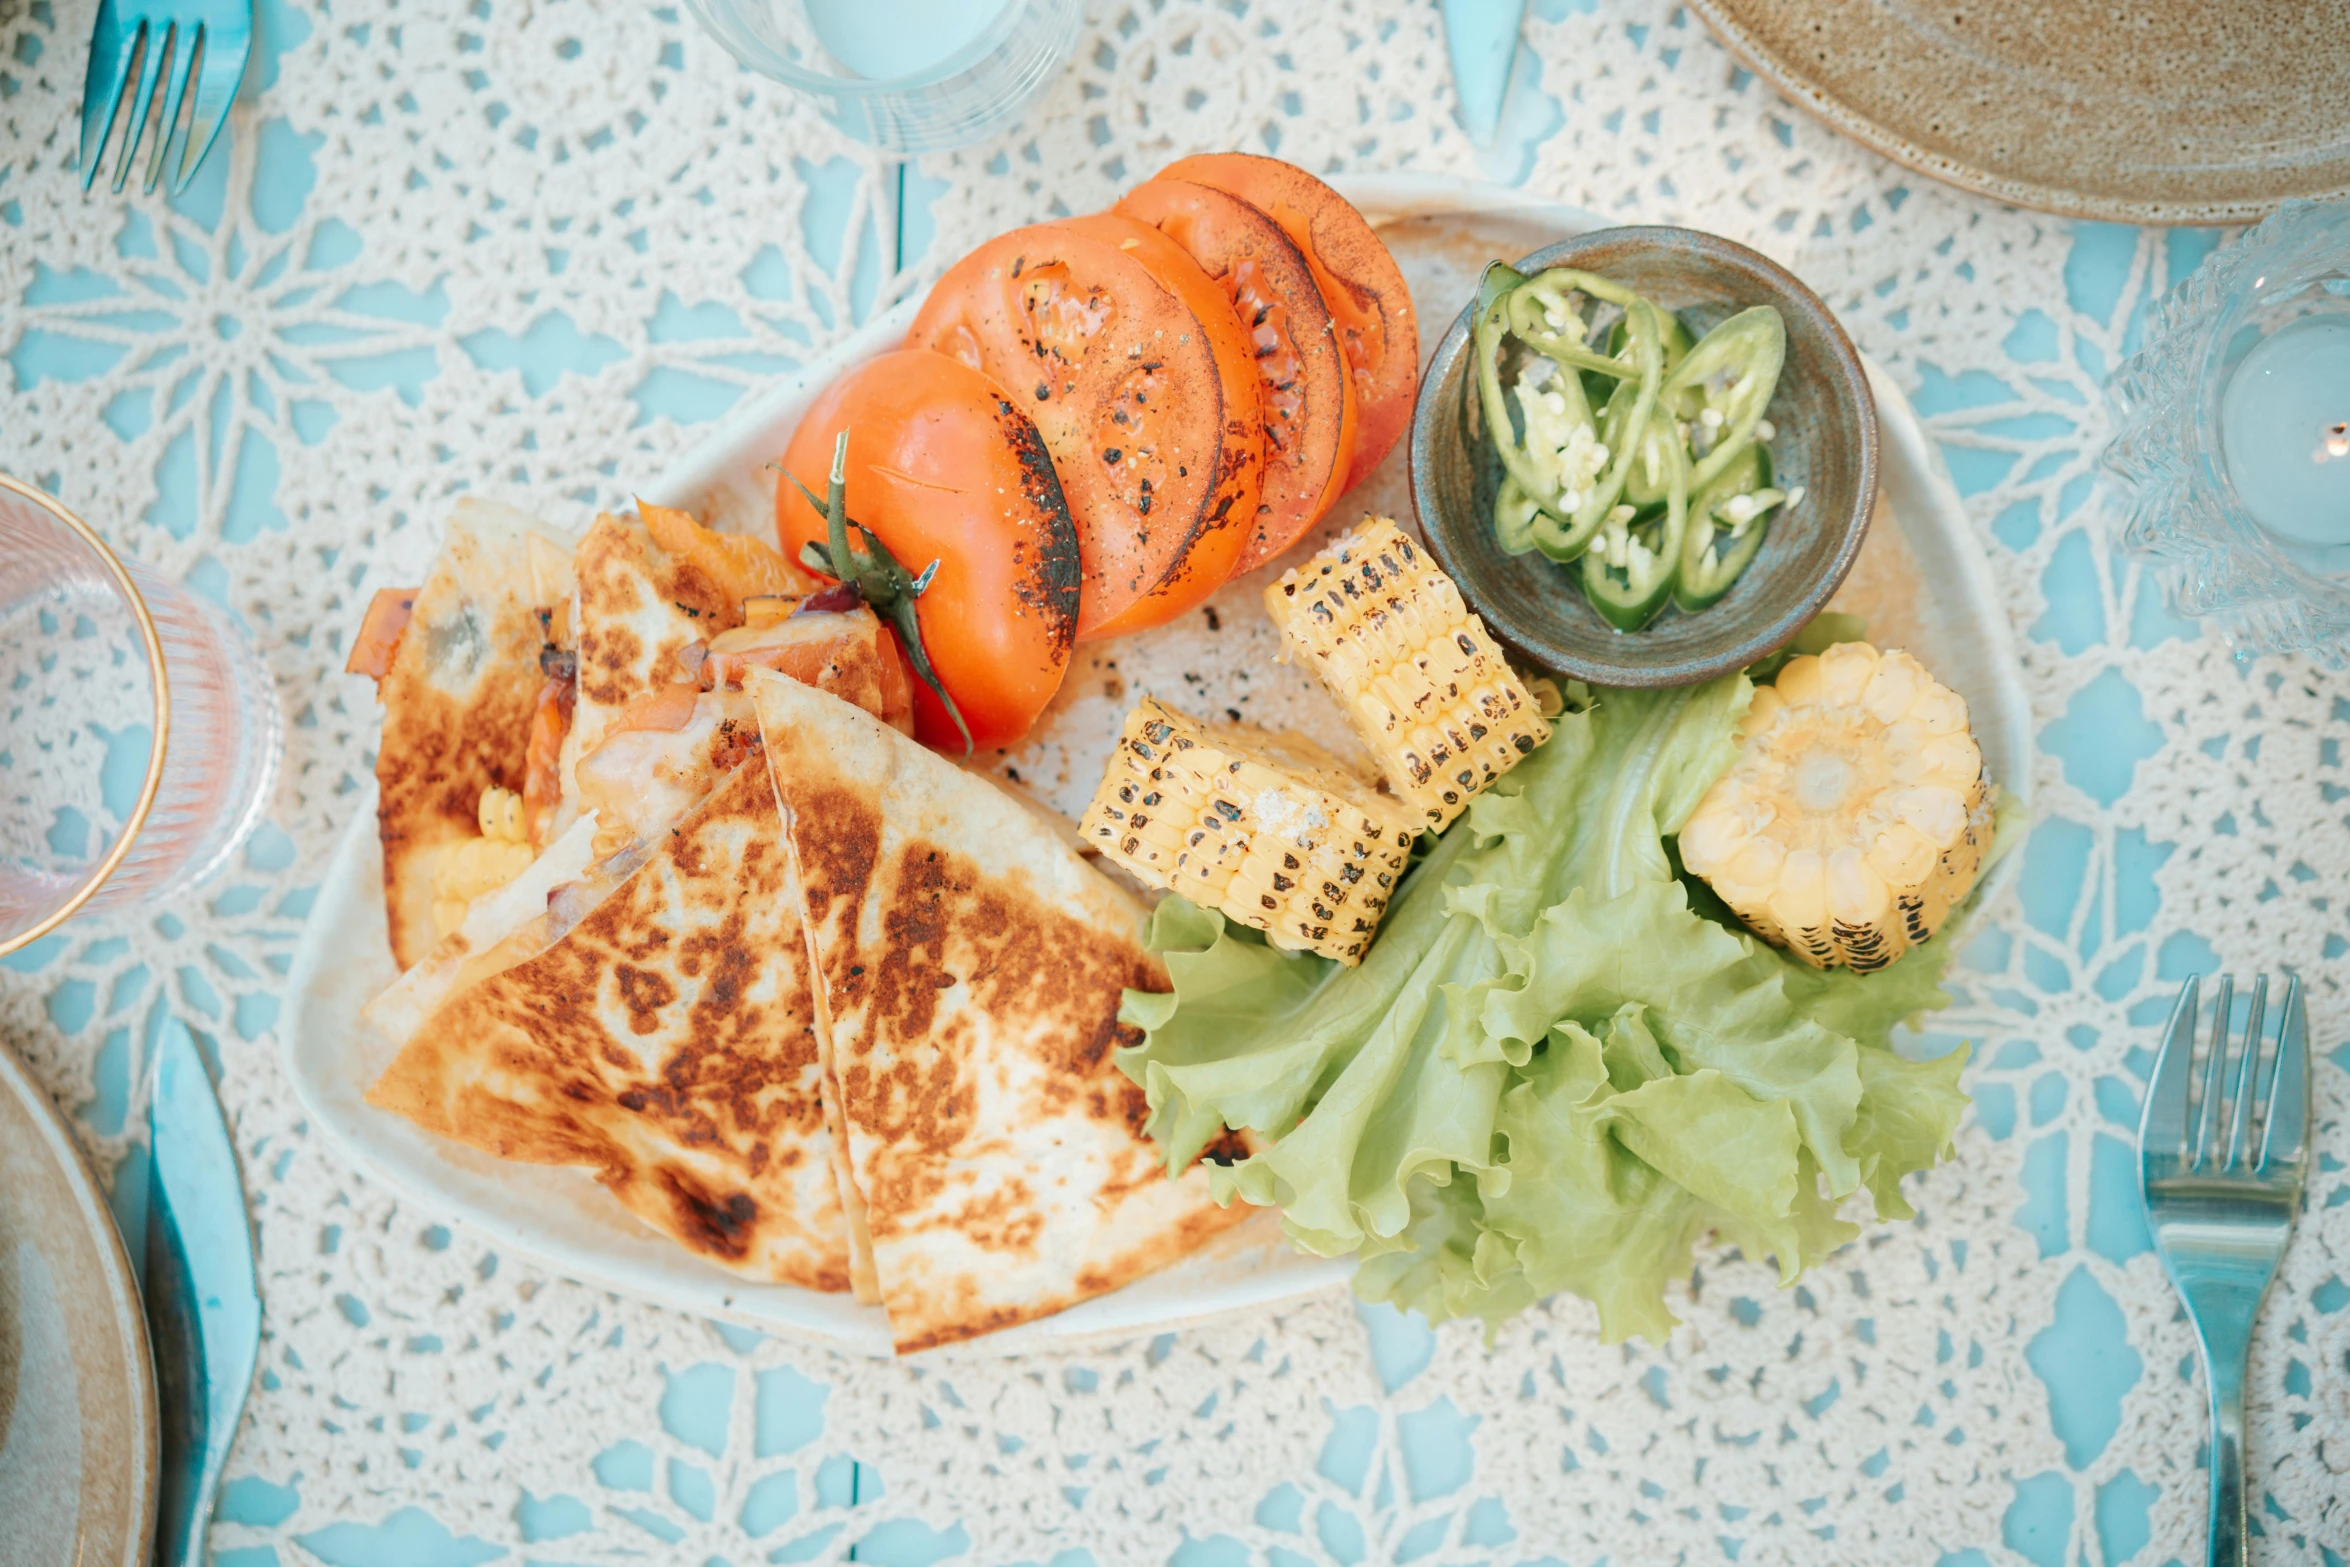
{"x": 1579, "y": 1210}
{"x": 1562, "y": 1063}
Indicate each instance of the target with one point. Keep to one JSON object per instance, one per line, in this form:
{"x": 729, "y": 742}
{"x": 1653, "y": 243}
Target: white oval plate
{"x": 1925, "y": 575}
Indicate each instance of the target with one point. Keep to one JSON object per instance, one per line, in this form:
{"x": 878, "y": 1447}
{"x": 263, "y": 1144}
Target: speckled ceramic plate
{"x": 77, "y": 1390}
{"x": 2139, "y": 111}
{"x": 1921, "y": 577}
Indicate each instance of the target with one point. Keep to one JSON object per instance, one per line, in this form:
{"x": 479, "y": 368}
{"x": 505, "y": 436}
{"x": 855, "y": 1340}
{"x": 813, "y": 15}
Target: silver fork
{"x": 204, "y": 41}
{"x": 2223, "y": 1155}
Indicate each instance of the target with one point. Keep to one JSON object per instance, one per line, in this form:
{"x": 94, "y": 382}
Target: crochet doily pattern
{"x": 528, "y": 250}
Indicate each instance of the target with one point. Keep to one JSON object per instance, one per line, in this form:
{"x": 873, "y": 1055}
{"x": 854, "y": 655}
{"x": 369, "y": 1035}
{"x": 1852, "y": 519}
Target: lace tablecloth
{"x": 526, "y": 248}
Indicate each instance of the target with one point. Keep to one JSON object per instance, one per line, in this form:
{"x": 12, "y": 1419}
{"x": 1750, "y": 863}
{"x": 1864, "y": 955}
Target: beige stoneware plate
{"x": 1923, "y": 578}
{"x": 2138, "y": 111}
{"x": 77, "y": 1390}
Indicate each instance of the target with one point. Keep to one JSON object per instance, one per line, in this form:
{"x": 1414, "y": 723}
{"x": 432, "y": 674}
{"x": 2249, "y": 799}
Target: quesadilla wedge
{"x": 635, "y": 786}
{"x": 656, "y": 761}
{"x": 632, "y": 751}
{"x": 652, "y": 595}
{"x": 496, "y": 933}
{"x": 970, "y": 967}
{"x": 460, "y": 692}
{"x": 666, "y": 1041}
{"x": 638, "y": 608}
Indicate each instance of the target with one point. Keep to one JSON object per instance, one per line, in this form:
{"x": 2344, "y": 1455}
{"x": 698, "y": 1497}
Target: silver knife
{"x": 203, "y": 1311}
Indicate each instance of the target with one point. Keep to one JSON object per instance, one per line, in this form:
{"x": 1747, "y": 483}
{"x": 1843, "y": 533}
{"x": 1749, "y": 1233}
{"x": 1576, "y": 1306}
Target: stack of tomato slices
{"x": 1095, "y": 422}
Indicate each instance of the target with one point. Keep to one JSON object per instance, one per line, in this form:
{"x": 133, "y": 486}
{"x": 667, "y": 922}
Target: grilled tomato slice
{"x": 1138, "y": 376}
{"x": 1360, "y": 281}
{"x": 1309, "y": 394}
{"x": 944, "y": 465}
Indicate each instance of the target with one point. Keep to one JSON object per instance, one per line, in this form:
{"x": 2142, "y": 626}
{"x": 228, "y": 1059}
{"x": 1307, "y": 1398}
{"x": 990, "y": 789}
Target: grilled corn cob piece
{"x": 1269, "y": 829}
{"x": 1856, "y": 815}
{"x": 464, "y": 871}
{"x": 1419, "y": 678}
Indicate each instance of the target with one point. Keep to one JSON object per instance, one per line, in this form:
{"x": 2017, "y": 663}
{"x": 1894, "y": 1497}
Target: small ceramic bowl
{"x": 1826, "y": 442}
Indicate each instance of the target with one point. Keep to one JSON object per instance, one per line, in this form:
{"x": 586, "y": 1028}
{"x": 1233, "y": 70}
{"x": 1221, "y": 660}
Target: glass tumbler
{"x": 142, "y": 731}
{"x": 2231, "y": 442}
{"x": 906, "y": 76}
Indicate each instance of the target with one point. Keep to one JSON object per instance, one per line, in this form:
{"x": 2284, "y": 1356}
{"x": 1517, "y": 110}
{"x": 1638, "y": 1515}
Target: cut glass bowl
{"x": 2263, "y": 593}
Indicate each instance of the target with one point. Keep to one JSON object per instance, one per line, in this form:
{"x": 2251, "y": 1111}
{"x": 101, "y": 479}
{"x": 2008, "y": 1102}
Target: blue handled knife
{"x": 1482, "y": 38}
{"x": 203, "y": 1311}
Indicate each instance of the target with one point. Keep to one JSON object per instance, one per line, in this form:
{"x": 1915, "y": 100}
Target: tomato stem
{"x": 874, "y": 573}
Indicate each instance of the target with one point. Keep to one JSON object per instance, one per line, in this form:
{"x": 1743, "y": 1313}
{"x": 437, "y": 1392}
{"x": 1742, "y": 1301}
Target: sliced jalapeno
{"x": 1645, "y": 484}
{"x": 1630, "y": 568}
{"x": 1543, "y": 316}
{"x": 1749, "y": 470}
{"x": 1552, "y": 466}
{"x": 1627, "y": 417}
{"x": 1638, "y": 459}
{"x": 1500, "y": 429}
{"x": 1678, "y": 342}
{"x": 1727, "y": 521}
{"x": 1720, "y": 389}
{"x": 1555, "y": 461}
{"x": 1514, "y": 512}
{"x": 1559, "y": 428}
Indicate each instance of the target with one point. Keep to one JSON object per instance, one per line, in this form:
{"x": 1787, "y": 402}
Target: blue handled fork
{"x": 204, "y": 41}
{"x": 2223, "y": 1155}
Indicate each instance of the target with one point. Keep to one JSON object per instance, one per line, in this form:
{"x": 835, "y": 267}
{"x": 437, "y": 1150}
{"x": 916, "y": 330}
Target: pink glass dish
{"x": 142, "y": 732}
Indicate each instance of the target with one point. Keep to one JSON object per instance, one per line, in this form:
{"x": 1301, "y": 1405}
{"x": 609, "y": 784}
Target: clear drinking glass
{"x": 907, "y": 76}
{"x": 2232, "y": 437}
{"x": 142, "y": 731}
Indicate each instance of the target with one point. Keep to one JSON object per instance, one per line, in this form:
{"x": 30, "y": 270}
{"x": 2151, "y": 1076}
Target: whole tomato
{"x": 943, "y": 466}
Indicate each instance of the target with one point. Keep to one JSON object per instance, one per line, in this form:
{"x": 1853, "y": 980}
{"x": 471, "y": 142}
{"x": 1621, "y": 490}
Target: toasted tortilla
{"x": 638, "y": 781}
{"x": 970, "y": 969}
{"x": 667, "y": 1041}
{"x": 458, "y": 698}
{"x": 635, "y": 787}
{"x": 501, "y": 928}
{"x": 638, "y": 607}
